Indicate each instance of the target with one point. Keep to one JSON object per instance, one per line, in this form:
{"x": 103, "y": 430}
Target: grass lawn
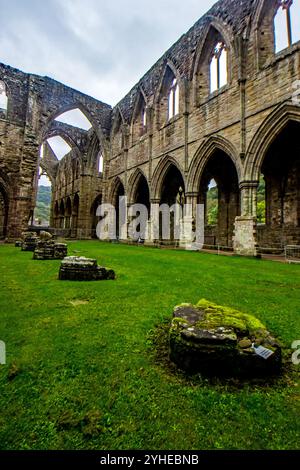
{"x": 81, "y": 373}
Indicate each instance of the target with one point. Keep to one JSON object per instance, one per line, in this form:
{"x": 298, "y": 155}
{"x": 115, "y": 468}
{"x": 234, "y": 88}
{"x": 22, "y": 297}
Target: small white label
{"x": 263, "y": 352}
{"x": 2, "y": 353}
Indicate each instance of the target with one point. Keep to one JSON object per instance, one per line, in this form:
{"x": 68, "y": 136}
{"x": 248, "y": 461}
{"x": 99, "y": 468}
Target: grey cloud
{"x": 97, "y": 46}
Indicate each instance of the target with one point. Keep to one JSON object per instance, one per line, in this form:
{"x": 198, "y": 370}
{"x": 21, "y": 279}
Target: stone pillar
{"x": 249, "y": 198}
{"x": 84, "y": 219}
{"x": 153, "y": 224}
{"x": 19, "y": 213}
{"x": 245, "y": 239}
{"x": 193, "y": 224}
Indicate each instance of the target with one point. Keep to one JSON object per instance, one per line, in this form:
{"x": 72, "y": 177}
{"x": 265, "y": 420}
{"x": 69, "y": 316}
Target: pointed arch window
{"x": 144, "y": 119}
{"x": 118, "y": 140}
{"x": 173, "y": 99}
{"x": 140, "y": 118}
{"x": 3, "y": 97}
{"x": 100, "y": 163}
{"x": 219, "y": 67}
{"x": 287, "y": 24}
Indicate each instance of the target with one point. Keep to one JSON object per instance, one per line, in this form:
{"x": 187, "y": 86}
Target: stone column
{"x": 153, "y": 224}
{"x": 245, "y": 239}
{"x": 193, "y": 224}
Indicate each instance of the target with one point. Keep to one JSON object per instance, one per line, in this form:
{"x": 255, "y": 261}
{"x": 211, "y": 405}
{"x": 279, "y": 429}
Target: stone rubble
{"x": 83, "y": 269}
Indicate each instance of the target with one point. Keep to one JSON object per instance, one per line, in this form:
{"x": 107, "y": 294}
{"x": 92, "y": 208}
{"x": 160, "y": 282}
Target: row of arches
{"x": 66, "y": 213}
{"x": 66, "y": 217}
{"x": 217, "y": 168}
{"x": 172, "y": 189}
{"x": 214, "y": 68}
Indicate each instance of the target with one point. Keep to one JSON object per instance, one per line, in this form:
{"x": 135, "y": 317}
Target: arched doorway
{"x": 141, "y": 196}
{"x": 280, "y": 172}
{"x": 95, "y": 219}
{"x": 56, "y": 215}
{"x": 172, "y": 192}
{"x": 75, "y": 213}
{"x": 3, "y": 212}
{"x": 119, "y": 192}
{"x": 219, "y": 192}
{"x": 68, "y": 214}
{"x": 62, "y": 215}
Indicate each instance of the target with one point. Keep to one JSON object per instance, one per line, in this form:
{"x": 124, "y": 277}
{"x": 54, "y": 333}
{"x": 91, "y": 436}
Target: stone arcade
{"x": 221, "y": 105}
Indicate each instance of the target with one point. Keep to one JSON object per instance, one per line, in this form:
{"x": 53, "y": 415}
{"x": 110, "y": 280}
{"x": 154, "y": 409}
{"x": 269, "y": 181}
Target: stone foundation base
{"x": 83, "y": 269}
{"x": 50, "y": 251}
{"x": 244, "y": 240}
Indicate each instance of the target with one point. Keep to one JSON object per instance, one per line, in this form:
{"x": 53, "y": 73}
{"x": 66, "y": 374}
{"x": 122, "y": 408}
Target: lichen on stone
{"x": 220, "y": 340}
{"x": 218, "y": 315}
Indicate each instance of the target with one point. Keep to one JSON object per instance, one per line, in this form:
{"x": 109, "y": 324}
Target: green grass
{"x": 80, "y": 372}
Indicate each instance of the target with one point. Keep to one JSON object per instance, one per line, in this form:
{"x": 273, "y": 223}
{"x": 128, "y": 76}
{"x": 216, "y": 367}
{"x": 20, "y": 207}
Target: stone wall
{"x": 33, "y": 104}
{"x": 227, "y": 135}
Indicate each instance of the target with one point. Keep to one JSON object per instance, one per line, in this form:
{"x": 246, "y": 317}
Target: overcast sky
{"x": 100, "y": 47}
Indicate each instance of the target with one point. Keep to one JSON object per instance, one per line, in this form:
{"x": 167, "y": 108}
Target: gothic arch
{"x": 137, "y": 126}
{"x": 133, "y": 183}
{"x": 264, "y": 30}
{"x": 140, "y": 95}
{"x": 264, "y": 137}
{"x": 64, "y": 135}
{"x": 160, "y": 173}
{"x": 226, "y": 33}
{"x": 114, "y": 188}
{"x": 169, "y": 65}
{"x": 202, "y": 156}
{"x": 214, "y": 33}
{"x": 51, "y": 172}
{"x": 71, "y": 107}
{"x": 118, "y": 132}
{"x": 118, "y": 119}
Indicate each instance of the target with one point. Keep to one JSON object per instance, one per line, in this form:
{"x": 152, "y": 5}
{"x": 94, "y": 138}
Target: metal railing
{"x": 292, "y": 254}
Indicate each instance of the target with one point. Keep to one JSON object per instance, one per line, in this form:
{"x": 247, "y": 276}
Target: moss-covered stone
{"x": 218, "y": 315}
{"x": 220, "y": 340}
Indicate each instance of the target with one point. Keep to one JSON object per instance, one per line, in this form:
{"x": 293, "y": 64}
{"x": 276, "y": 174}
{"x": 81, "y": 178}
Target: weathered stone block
{"x": 216, "y": 340}
{"x": 83, "y": 269}
{"x": 30, "y": 241}
{"x": 244, "y": 241}
{"x": 49, "y": 250}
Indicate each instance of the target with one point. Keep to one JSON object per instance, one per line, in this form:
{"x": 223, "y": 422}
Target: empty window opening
{"x": 100, "y": 163}
{"x": 3, "y": 97}
{"x": 219, "y": 67}
{"x": 144, "y": 118}
{"x": 261, "y": 201}
{"x": 44, "y": 179}
{"x": 287, "y": 24}
{"x": 139, "y": 127}
{"x": 59, "y": 146}
{"x": 75, "y": 118}
{"x": 212, "y": 203}
{"x": 43, "y": 200}
{"x": 295, "y": 20}
{"x": 174, "y": 99}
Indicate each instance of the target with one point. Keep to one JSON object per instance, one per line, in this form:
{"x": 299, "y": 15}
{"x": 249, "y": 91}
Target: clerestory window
{"x": 218, "y": 67}
{"x": 287, "y": 24}
{"x": 3, "y": 97}
{"x": 173, "y": 100}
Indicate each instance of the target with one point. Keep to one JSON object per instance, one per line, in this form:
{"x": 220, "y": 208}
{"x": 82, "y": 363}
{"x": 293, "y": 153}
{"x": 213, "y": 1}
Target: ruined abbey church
{"x": 222, "y": 105}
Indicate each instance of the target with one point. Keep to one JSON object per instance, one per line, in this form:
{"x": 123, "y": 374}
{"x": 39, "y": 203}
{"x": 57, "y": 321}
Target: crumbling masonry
{"x": 172, "y": 131}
